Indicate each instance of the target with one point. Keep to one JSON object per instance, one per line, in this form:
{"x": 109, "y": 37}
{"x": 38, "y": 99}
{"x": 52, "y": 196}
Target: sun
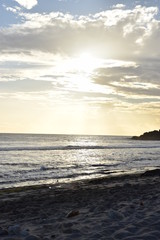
{"x": 86, "y": 62}
{"x": 77, "y": 71}
{"x": 80, "y": 63}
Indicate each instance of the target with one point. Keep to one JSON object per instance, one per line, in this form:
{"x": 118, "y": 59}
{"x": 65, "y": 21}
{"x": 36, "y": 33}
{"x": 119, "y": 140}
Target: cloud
{"x": 14, "y": 10}
{"x": 133, "y": 82}
{"x": 27, "y": 3}
{"x": 119, "y": 6}
{"x": 26, "y": 85}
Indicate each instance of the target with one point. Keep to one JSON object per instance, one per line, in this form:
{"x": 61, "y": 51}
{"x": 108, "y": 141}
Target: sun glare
{"x": 86, "y": 62}
{"x": 78, "y": 70}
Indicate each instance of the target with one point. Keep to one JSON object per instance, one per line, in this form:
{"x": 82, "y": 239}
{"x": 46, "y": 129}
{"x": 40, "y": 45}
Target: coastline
{"x": 119, "y": 207}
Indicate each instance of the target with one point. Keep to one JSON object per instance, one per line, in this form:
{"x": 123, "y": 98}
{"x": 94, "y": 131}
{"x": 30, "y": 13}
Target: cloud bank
{"x": 127, "y": 41}
{"x": 118, "y": 33}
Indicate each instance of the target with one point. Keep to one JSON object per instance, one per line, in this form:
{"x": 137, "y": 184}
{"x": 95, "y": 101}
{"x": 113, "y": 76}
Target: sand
{"x": 124, "y": 207}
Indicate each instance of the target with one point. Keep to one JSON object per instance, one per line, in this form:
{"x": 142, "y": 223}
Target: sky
{"x": 79, "y": 66}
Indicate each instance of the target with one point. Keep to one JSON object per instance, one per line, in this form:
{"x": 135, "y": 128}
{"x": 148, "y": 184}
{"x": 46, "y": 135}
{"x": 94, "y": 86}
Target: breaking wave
{"x": 73, "y": 147}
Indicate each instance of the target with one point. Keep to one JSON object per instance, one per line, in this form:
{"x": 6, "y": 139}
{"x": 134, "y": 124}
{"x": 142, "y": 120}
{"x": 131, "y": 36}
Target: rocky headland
{"x": 153, "y": 135}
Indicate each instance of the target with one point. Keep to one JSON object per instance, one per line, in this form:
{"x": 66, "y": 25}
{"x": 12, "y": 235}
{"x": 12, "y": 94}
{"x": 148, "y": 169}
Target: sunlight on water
{"x": 35, "y": 159}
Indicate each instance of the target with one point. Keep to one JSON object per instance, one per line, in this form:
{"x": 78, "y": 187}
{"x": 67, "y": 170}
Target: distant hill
{"x": 153, "y": 135}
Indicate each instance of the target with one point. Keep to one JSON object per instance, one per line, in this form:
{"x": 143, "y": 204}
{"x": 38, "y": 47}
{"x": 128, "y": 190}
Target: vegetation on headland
{"x": 153, "y": 135}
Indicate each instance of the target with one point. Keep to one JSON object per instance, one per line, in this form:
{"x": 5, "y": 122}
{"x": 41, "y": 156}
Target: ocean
{"x": 31, "y": 159}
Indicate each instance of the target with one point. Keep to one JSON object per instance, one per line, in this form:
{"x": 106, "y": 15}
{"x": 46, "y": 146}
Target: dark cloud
{"x": 142, "y": 80}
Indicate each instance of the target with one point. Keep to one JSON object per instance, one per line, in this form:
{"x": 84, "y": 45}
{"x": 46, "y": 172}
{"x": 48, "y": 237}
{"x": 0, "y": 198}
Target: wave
{"x": 74, "y": 147}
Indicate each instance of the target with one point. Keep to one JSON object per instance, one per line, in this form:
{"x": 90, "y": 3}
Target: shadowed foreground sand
{"x": 126, "y": 207}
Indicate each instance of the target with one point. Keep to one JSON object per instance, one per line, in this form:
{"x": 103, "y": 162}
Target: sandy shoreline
{"x": 126, "y": 207}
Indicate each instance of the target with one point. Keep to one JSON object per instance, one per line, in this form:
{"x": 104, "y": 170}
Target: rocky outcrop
{"x": 151, "y": 173}
{"x": 154, "y": 135}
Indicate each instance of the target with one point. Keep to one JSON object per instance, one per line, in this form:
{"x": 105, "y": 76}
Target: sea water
{"x": 29, "y": 159}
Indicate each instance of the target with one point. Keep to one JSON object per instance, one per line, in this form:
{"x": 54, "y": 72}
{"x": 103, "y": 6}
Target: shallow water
{"x": 27, "y": 159}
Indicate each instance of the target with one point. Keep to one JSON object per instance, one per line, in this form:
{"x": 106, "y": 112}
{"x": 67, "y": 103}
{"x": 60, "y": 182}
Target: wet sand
{"x": 122, "y": 207}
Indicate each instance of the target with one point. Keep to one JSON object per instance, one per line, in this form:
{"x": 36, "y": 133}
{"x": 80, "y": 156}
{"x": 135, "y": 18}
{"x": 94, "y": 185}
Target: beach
{"x": 120, "y": 207}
